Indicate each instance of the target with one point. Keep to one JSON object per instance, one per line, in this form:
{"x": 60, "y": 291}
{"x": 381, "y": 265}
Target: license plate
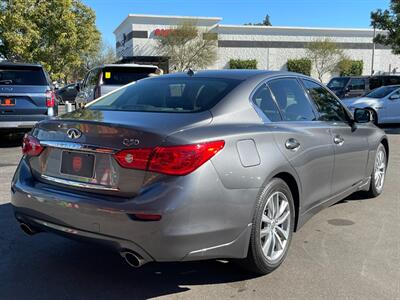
{"x": 7, "y": 102}
{"x": 77, "y": 164}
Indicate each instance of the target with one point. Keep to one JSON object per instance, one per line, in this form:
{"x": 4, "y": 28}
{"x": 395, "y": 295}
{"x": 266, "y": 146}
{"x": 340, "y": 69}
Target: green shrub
{"x": 348, "y": 67}
{"x": 302, "y": 66}
{"x": 243, "y": 64}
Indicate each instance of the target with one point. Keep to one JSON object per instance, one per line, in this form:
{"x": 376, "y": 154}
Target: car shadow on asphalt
{"x": 390, "y": 128}
{"x": 45, "y": 266}
{"x": 10, "y": 140}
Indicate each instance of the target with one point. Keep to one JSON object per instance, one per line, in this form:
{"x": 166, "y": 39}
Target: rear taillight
{"x": 133, "y": 158}
{"x": 182, "y": 160}
{"x": 31, "y": 146}
{"x": 50, "y": 99}
{"x": 172, "y": 160}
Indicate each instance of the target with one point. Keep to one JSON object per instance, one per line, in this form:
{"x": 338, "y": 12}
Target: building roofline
{"x": 296, "y": 28}
{"x": 251, "y": 27}
{"x": 216, "y": 19}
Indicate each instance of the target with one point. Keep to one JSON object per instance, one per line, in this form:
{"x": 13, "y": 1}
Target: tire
{"x": 378, "y": 173}
{"x": 260, "y": 261}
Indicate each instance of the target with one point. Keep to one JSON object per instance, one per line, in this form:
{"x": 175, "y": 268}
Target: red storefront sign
{"x": 162, "y": 32}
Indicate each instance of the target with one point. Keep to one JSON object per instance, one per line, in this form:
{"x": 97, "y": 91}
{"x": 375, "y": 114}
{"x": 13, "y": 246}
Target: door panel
{"x": 392, "y": 108}
{"x": 355, "y": 88}
{"x": 305, "y": 142}
{"x": 313, "y": 160}
{"x": 350, "y": 142}
{"x": 351, "y": 156}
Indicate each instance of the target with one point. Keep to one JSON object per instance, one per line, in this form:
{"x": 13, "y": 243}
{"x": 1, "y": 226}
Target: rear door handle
{"x": 292, "y": 144}
{"x": 338, "y": 140}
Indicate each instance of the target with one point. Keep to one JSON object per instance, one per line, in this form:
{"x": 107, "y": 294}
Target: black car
{"x": 356, "y": 86}
{"x": 349, "y": 86}
{"x": 26, "y": 96}
{"x": 68, "y": 93}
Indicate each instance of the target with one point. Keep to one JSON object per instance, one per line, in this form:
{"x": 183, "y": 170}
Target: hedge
{"x": 302, "y": 66}
{"x": 348, "y": 67}
{"x": 243, "y": 64}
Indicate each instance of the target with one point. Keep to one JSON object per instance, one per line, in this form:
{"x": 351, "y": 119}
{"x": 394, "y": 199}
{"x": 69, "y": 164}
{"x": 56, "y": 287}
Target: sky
{"x": 307, "y": 13}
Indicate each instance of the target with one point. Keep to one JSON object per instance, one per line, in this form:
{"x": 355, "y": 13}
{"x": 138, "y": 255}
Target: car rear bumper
{"x": 213, "y": 223}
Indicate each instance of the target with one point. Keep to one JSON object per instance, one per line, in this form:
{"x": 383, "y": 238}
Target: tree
{"x": 265, "y": 22}
{"x": 188, "y": 48}
{"x": 55, "y": 33}
{"x": 242, "y": 64}
{"x": 325, "y": 55}
{"x": 105, "y": 54}
{"x": 389, "y": 21}
{"x": 302, "y": 65}
{"x": 348, "y": 67}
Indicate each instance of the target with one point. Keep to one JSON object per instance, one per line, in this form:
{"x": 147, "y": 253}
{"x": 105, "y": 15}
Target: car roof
{"x": 361, "y": 76}
{"x": 129, "y": 66}
{"x": 388, "y": 86}
{"x": 231, "y": 74}
{"x": 12, "y": 64}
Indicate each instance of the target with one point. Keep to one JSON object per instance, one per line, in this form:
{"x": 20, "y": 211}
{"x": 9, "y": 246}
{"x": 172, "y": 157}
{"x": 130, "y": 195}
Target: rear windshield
{"x": 18, "y": 75}
{"x": 179, "y": 94}
{"x": 337, "y": 83}
{"x": 125, "y": 75}
{"x": 381, "y": 92}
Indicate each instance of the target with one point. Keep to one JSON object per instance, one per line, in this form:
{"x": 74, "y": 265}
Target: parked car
{"x": 356, "y": 86}
{"x": 102, "y": 80}
{"x": 204, "y": 165}
{"x": 383, "y": 103}
{"x": 383, "y": 80}
{"x": 26, "y": 96}
{"x": 68, "y": 93}
{"x": 349, "y": 86}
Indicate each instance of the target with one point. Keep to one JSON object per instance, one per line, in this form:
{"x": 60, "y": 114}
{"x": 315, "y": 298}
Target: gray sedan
{"x": 204, "y": 165}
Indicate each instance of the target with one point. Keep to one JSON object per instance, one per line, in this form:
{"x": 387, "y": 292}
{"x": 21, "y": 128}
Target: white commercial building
{"x": 271, "y": 46}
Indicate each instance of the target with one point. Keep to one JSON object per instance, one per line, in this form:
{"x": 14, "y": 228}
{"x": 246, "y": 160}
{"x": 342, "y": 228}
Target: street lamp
{"x": 373, "y": 52}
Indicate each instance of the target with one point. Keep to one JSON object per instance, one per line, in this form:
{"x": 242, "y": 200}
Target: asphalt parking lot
{"x": 348, "y": 251}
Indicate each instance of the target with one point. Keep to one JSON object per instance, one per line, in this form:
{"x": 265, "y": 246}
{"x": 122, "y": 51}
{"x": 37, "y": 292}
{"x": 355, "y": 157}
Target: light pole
{"x": 373, "y": 52}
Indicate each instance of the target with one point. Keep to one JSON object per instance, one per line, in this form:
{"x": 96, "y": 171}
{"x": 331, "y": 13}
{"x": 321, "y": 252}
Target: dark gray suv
{"x": 26, "y": 96}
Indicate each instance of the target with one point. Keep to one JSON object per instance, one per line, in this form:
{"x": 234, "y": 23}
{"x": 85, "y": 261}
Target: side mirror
{"x": 362, "y": 115}
{"x": 78, "y": 86}
{"x": 394, "y": 97}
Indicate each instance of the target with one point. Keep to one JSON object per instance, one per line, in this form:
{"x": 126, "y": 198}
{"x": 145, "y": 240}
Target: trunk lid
{"x": 103, "y": 133}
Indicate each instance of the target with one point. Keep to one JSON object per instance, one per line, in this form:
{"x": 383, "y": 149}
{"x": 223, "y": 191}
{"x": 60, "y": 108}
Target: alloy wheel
{"x": 380, "y": 169}
{"x": 275, "y": 226}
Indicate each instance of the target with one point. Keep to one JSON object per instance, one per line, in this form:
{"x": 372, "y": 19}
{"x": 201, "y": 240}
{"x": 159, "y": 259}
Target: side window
{"x": 395, "y": 95}
{"x": 329, "y": 107}
{"x": 291, "y": 99}
{"x": 263, "y": 99}
{"x": 357, "y": 84}
{"x": 393, "y": 80}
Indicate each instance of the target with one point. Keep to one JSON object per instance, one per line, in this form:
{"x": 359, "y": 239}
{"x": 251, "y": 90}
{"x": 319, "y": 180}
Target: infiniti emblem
{"x": 74, "y": 133}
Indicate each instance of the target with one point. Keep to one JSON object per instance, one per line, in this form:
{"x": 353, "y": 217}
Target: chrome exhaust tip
{"x": 133, "y": 259}
{"x": 27, "y": 229}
